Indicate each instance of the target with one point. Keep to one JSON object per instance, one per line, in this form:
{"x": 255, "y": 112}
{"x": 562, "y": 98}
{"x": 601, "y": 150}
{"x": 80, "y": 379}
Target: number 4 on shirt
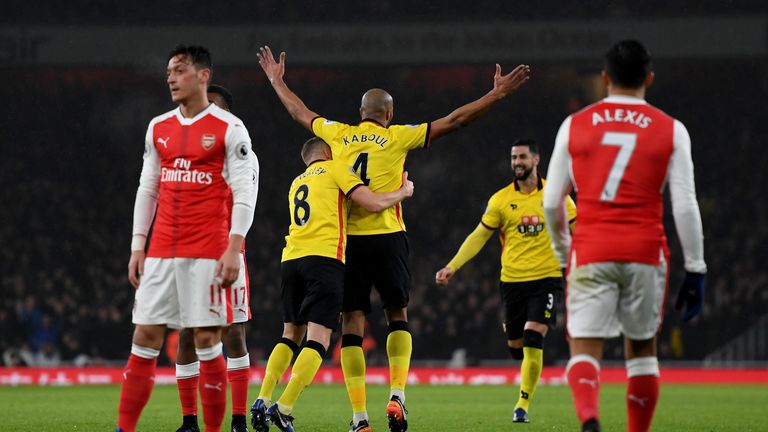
{"x": 361, "y": 165}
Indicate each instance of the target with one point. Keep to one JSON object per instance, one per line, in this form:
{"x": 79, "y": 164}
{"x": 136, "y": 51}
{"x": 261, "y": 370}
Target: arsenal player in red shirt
{"x": 620, "y": 153}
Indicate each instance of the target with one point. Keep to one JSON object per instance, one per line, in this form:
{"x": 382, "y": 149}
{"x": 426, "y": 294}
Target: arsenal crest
{"x": 208, "y": 140}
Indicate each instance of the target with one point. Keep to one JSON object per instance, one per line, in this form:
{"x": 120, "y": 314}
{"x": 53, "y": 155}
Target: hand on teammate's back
{"x": 274, "y": 70}
{"x": 506, "y": 84}
{"x": 691, "y": 295}
{"x": 136, "y": 267}
{"x": 407, "y": 185}
{"x": 444, "y": 275}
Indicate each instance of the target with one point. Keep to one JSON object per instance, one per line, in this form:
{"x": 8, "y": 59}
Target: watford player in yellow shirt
{"x": 531, "y": 278}
{"x": 378, "y": 247}
{"x": 312, "y": 273}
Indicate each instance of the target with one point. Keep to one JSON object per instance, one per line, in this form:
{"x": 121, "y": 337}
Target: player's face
{"x": 523, "y": 162}
{"x": 218, "y": 99}
{"x": 184, "y": 80}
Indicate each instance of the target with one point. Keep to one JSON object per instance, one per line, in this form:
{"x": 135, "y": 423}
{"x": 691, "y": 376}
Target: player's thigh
{"x": 293, "y": 288}
{"x": 203, "y": 302}
{"x": 542, "y": 298}
{"x": 514, "y": 302}
{"x": 592, "y": 300}
{"x": 641, "y": 299}
{"x": 392, "y": 275}
{"x": 156, "y": 298}
{"x": 240, "y": 295}
{"x": 325, "y": 289}
{"x": 358, "y": 278}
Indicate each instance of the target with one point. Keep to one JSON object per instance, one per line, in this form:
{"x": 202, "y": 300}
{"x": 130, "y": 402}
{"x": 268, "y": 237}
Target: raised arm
{"x": 378, "y": 201}
{"x": 462, "y": 116}
{"x": 275, "y": 71}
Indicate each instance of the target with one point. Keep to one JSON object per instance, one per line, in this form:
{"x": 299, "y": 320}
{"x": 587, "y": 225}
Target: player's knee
{"x": 149, "y": 336}
{"x": 533, "y": 339}
{"x": 207, "y": 337}
{"x": 234, "y": 341}
{"x": 517, "y": 353}
{"x": 394, "y": 326}
{"x": 351, "y": 340}
{"x": 186, "y": 340}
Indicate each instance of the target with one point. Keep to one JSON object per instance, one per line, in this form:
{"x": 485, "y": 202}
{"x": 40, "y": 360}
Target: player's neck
{"x": 530, "y": 184}
{"x": 194, "y": 106}
{"x": 623, "y": 91}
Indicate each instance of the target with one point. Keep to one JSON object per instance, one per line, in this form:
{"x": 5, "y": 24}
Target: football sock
{"x": 278, "y": 363}
{"x": 304, "y": 370}
{"x": 187, "y": 379}
{"x": 138, "y": 380}
{"x": 353, "y": 365}
{"x": 530, "y": 369}
{"x": 399, "y": 347}
{"x": 238, "y": 375}
{"x": 642, "y": 392}
{"x": 213, "y": 386}
{"x": 583, "y": 373}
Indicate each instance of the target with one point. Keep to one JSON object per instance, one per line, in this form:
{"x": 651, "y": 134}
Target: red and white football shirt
{"x": 619, "y": 153}
{"x": 190, "y": 166}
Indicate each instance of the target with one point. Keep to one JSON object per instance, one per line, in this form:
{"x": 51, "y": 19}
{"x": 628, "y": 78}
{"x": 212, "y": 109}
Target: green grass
{"x": 432, "y": 408}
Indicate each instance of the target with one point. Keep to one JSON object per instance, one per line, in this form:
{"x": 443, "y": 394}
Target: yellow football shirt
{"x": 319, "y": 210}
{"x": 526, "y": 253}
{"x": 377, "y": 154}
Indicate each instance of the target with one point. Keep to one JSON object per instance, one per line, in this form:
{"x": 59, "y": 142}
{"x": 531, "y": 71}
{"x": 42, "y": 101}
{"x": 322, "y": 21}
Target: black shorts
{"x": 379, "y": 260}
{"x": 529, "y": 301}
{"x": 312, "y": 289}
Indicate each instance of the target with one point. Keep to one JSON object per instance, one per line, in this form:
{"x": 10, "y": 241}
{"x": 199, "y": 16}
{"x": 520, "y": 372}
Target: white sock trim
{"x": 243, "y": 362}
{"x": 358, "y": 417}
{"x": 144, "y": 352}
{"x": 210, "y": 353}
{"x": 187, "y": 370}
{"x": 642, "y": 366}
{"x": 582, "y": 358}
{"x": 399, "y": 393}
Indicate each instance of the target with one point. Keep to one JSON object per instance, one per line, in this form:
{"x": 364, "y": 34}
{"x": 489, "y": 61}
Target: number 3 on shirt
{"x": 361, "y": 164}
{"x": 626, "y": 142}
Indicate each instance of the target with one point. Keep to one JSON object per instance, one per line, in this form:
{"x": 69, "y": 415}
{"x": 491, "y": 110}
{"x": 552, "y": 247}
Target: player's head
{"x": 524, "y": 158}
{"x": 189, "y": 71}
{"x": 315, "y": 149}
{"x": 628, "y": 65}
{"x": 220, "y": 96}
{"x": 377, "y": 105}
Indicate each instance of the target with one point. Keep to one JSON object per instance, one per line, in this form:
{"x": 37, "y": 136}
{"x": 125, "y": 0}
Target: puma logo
{"x": 164, "y": 142}
{"x": 591, "y": 383}
{"x": 125, "y": 373}
{"x": 241, "y": 310}
{"x": 214, "y": 311}
{"x": 637, "y": 400}
{"x": 216, "y": 387}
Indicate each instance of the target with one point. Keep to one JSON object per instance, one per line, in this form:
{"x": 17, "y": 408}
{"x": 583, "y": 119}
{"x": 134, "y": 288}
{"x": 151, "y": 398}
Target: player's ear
{"x": 205, "y": 75}
{"x": 605, "y": 78}
{"x": 649, "y": 77}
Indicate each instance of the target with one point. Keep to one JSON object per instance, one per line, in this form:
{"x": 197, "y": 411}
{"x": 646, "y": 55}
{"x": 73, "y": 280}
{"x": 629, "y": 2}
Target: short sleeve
{"x": 491, "y": 218}
{"x": 344, "y": 177}
{"x": 329, "y": 131}
{"x": 411, "y": 137}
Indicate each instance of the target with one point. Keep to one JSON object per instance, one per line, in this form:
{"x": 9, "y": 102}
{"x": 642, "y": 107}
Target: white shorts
{"x": 182, "y": 293}
{"x": 604, "y": 300}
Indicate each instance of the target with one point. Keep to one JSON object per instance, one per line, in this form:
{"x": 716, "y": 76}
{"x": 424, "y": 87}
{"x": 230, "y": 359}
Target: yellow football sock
{"x": 530, "y": 371}
{"x": 399, "y": 347}
{"x": 304, "y": 370}
{"x": 353, "y": 365}
{"x": 278, "y": 362}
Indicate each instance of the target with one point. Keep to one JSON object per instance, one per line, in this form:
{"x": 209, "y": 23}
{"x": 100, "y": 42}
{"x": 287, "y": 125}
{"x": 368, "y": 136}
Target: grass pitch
{"x": 431, "y": 408}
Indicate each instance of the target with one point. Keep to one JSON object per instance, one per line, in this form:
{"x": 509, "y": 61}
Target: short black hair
{"x": 197, "y": 55}
{"x": 627, "y": 63}
{"x": 533, "y": 146}
{"x": 219, "y": 90}
{"x": 310, "y": 147}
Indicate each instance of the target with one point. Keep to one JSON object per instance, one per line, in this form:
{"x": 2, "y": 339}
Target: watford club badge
{"x": 208, "y": 140}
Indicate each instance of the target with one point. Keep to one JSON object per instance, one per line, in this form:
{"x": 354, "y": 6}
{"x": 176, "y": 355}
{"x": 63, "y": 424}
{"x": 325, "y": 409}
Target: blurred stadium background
{"x": 81, "y": 80}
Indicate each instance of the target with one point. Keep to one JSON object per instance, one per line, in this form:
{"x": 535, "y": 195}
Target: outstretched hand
{"x": 506, "y": 84}
{"x": 407, "y": 185}
{"x": 274, "y": 70}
